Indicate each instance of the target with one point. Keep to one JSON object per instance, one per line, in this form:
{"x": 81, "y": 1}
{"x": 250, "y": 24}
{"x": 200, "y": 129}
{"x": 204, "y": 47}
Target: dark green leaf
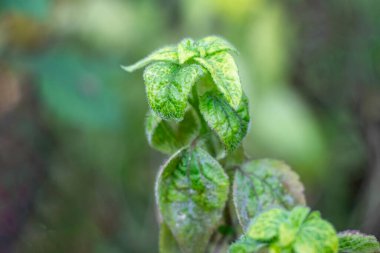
{"x": 230, "y": 125}
{"x": 192, "y": 190}
{"x": 264, "y": 184}
{"x": 355, "y": 242}
{"x": 225, "y": 74}
{"x": 167, "y": 136}
{"x": 168, "y": 86}
{"x": 168, "y": 54}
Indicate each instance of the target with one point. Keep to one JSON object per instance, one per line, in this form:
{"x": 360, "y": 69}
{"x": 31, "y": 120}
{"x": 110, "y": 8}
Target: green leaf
{"x": 243, "y": 112}
{"x": 316, "y": 236}
{"x": 352, "y": 241}
{"x": 192, "y": 190}
{"x": 246, "y": 245}
{"x": 295, "y": 231}
{"x": 225, "y": 74}
{"x": 230, "y": 125}
{"x": 263, "y": 184}
{"x": 167, "y": 136}
{"x": 168, "y": 86}
{"x": 265, "y": 227}
{"x": 186, "y": 50}
{"x": 299, "y": 214}
{"x": 214, "y": 44}
{"x": 168, "y": 54}
{"x": 168, "y": 244}
{"x": 288, "y": 230}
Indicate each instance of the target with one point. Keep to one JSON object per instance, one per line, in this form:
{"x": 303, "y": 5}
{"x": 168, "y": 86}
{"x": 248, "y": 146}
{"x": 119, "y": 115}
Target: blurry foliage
{"x": 78, "y": 89}
{"x": 35, "y": 8}
{"x": 312, "y": 75}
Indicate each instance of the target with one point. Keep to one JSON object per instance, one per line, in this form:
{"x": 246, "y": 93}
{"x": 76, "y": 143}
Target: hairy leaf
{"x": 352, "y": 241}
{"x": 225, "y": 74}
{"x": 186, "y": 50}
{"x": 246, "y": 245}
{"x": 192, "y": 189}
{"x": 263, "y": 184}
{"x": 168, "y": 86}
{"x": 167, "y": 136}
{"x": 214, "y": 44}
{"x": 168, "y": 54}
{"x": 168, "y": 243}
{"x": 230, "y": 125}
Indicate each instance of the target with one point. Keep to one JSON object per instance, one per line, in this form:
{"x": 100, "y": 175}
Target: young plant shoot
{"x": 209, "y": 196}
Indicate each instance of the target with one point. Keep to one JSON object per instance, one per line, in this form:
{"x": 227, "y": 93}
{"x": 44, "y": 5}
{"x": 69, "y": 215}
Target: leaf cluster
{"x": 208, "y": 193}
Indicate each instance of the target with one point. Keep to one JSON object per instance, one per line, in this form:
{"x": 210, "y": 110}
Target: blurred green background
{"x": 76, "y": 173}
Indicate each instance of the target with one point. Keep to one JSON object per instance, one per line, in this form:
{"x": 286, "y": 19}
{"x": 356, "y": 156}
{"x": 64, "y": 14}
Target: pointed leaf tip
{"x": 129, "y": 68}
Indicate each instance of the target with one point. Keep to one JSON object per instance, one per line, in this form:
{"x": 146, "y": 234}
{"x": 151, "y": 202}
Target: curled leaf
{"x": 352, "y": 241}
{"x": 225, "y": 74}
{"x": 260, "y": 185}
{"x": 192, "y": 190}
{"x": 167, "y": 136}
{"x": 215, "y": 44}
{"x": 230, "y": 125}
{"x": 168, "y": 86}
{"x": 168, "y": 54}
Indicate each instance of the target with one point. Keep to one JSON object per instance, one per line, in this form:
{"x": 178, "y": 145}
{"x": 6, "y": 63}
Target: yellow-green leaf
{"x": 294, "y": 231}
{"x": 186, "y": 50}
{"x": 288, "y": 230}
{"x": 316, "y": 236}
{"x": 246, "y": 245}
{"x": 265, "y": 227}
